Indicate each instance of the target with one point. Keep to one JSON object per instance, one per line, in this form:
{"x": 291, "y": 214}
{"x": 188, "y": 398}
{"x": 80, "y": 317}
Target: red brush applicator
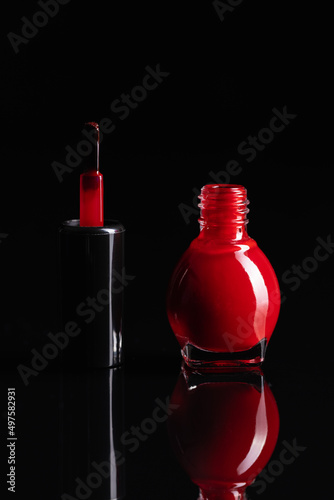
{"x": 91, "y": 190}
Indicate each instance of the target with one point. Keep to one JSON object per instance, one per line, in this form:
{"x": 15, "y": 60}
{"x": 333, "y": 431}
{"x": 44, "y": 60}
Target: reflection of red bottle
{"x": 223, "y": 298}
{"x": 224, "y": 430}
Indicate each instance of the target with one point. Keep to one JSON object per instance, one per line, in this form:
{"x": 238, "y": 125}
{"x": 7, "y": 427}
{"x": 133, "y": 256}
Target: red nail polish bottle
{"x": 223, "y": 429}
{"x": 223, "y": 298}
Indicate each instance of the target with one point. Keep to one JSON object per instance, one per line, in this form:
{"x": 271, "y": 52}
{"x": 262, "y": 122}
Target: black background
{"x": 225, "y": 77}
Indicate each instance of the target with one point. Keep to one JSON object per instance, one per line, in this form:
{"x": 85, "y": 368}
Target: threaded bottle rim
{"x": 223, "y": 204}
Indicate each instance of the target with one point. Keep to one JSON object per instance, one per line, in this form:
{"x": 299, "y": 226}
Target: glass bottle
{"x": 223, "y": 298}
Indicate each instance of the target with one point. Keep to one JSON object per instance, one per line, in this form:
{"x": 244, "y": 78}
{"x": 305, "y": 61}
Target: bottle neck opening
{"x": 224, "y": 209}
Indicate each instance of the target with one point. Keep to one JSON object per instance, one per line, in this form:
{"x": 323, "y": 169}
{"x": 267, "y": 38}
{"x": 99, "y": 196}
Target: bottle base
{"x": 202, "y": 359}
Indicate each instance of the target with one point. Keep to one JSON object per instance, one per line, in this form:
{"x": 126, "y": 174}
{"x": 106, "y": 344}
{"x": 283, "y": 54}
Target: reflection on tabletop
{"x": 91, "y": 428}
{"x": 224, "y": 430}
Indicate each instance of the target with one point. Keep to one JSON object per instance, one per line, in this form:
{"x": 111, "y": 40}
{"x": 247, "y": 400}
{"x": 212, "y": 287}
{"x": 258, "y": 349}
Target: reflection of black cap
{"x": 91, "y": 449}
{"x": 91, "y": 270}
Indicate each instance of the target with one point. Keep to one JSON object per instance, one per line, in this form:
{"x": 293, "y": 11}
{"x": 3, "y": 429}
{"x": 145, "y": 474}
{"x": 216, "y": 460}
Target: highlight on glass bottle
{"x": 223, "y": 429}
{"x": 223, "y": 297}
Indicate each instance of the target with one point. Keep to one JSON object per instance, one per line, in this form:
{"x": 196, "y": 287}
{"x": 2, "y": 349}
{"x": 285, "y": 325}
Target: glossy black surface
{"x": 67, "y": 422}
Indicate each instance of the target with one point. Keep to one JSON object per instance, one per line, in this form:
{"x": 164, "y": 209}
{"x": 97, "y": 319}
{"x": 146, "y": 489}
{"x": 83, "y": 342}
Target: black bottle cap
{"x": 91, "y": 270}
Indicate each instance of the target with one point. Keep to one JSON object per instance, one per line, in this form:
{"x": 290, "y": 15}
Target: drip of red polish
{"x": 91, "y": 190}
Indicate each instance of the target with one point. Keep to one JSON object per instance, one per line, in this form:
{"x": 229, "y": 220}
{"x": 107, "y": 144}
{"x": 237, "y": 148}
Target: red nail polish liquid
{"x": 91, "y": 189}
{"x": 223, "y": 298}
{"x": 91, "y": 199}
{"x": 223, "y": 430}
